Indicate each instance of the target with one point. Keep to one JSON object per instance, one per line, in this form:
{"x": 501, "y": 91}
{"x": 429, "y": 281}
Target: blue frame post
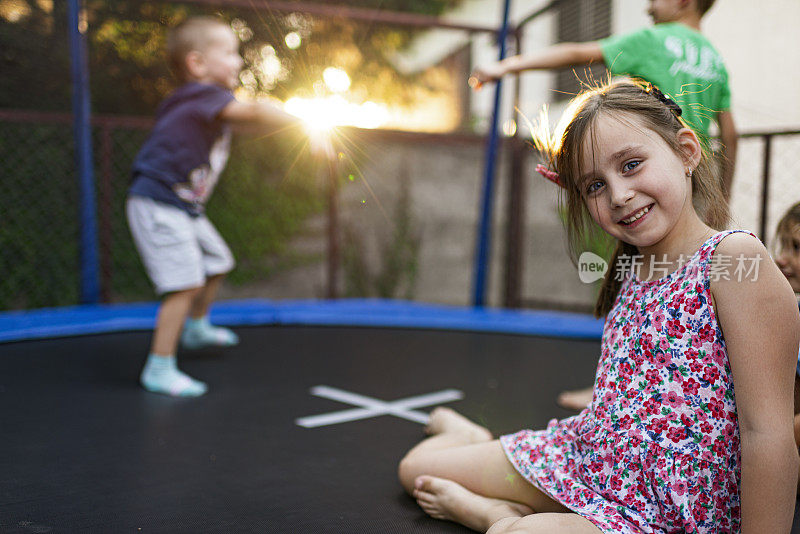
{"x": 79, "y": 66}
{"x": 484, "y": 230}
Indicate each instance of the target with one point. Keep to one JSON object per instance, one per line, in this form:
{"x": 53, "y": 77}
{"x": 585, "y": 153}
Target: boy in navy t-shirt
{"x": 174, "y": 174}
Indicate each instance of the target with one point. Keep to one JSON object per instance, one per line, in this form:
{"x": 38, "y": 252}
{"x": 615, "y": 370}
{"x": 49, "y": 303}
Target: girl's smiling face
{"x": 633, "y": 183}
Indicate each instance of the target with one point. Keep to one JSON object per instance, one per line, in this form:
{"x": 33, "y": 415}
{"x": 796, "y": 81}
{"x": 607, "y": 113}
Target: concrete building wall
{"x": 760, "y": 42}
{"x": 443, "y": 180}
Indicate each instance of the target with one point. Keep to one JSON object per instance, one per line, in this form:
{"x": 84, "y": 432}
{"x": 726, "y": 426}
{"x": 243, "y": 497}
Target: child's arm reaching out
{"x": 758, "y": 317}
{"x": 258, "y": 112}
{"x": 552, "y": 57}
{"x": 273, "y": 117}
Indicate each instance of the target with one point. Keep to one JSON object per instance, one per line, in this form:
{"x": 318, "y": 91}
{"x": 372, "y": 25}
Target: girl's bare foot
{"x": 575, "y": 400}
{"x": 445, "y": 420}
{"x": 445, "y": 499}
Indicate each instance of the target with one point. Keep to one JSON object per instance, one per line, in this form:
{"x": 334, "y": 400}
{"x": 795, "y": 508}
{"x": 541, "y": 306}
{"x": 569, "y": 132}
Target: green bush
{"x": 38, "y": 234}
{"x": 261, "y": 202}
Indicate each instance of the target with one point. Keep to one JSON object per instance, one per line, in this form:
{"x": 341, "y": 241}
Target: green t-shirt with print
{"x": 681, "y": 62}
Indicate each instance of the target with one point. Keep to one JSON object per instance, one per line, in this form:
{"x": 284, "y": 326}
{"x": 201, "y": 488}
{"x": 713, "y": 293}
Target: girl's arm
{"x": 759, "y": 319}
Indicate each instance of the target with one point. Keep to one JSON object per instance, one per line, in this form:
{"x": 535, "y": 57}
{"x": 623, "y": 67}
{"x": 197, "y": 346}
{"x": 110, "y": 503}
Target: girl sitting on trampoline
{"x": 690, "y": 311}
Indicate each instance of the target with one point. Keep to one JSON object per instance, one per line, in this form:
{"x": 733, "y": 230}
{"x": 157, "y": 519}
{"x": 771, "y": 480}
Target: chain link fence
{"x": 408, "y": 203}
{"x": 780, "y": 171}
{"x": 409, "y": 194}
{"x": 392, "y": 210}
{"x": 270, "y": 204}
{"x": 39, "y": 245}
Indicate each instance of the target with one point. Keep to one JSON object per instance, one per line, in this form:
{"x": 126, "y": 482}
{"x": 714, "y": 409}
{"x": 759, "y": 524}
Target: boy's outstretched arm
{"x": 257, "y": 112}
{"x": 552, "y": 57}
{"x": 275, "y": 118}
{"x": 758, "y": 316}
{"x": 729, "y": 138}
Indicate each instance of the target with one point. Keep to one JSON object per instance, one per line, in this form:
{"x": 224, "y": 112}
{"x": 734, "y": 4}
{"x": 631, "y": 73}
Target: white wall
{"x": 760, "y": 42}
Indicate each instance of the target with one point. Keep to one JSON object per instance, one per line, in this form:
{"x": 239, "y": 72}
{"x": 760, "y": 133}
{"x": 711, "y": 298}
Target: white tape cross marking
{"x": 370, "y": 407}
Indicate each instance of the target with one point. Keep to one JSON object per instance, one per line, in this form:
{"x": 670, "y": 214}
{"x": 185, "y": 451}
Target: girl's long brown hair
{"x": 622, "y": 100}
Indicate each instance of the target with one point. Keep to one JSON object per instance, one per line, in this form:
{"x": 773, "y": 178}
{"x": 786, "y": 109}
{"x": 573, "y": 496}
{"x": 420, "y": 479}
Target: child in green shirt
{"x": 672, "y": 54}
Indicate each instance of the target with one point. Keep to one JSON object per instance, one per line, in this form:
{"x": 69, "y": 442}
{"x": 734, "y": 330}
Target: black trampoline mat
{"x": 85, "y": 449}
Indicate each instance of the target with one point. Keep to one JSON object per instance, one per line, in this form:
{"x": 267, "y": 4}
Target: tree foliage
{"x": 129, "y": 75}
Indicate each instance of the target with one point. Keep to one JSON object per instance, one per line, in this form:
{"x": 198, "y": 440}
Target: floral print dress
{"x": 657, "y": 451}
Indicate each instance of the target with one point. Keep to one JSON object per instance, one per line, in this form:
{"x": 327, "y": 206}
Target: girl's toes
{"x": 423, "y": 483}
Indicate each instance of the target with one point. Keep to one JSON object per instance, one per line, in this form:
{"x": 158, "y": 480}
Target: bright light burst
{"x": 336, "y": 80}
{"x": 325, "y": 113}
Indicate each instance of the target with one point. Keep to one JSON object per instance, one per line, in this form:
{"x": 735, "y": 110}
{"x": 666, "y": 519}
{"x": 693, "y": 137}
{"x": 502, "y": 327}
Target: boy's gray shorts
{"x": 178, "y": 251}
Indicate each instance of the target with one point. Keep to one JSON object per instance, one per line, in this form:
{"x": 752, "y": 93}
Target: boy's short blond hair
{"x": 190, "y": 35}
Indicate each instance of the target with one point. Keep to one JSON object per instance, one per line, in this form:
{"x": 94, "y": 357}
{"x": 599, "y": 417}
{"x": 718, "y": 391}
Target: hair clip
{"x": 550, "y": 175}
{"x": 671, "y": 104}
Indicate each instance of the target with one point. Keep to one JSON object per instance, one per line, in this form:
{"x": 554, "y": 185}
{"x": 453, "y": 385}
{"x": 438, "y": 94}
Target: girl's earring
{"x": 689, "y": 172}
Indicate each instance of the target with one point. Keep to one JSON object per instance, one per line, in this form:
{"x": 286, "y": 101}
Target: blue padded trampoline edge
{"x": 98, "y": 319}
